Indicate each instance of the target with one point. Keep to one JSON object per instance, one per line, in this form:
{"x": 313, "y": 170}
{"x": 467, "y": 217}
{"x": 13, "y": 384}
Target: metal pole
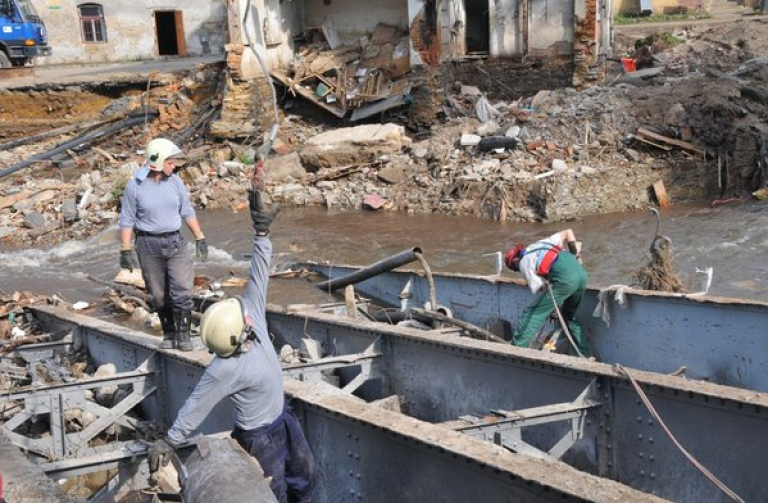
{"x": 81, "y": 140}
{"x": 372, "y": 270}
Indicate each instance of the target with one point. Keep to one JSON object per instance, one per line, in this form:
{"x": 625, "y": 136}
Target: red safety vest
{"x": 549, "y": 257}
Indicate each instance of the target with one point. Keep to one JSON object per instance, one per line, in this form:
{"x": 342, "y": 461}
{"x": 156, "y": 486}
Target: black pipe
{"x": 80, "y": 140}
{"x": 372, "y": 270}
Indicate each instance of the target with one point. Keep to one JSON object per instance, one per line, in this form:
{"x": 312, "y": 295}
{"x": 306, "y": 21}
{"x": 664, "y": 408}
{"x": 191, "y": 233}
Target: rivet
{"x": 357, "y": 457}
{"x": 640, "y": 454}
{"x": 640, "y": 436}
{"x": 351, "y": 473}
{"x": 653, "y": 475}
{"x": 652, "y": 457}
{"x": 639, "y": 419}
{"x": 650, "y": 440}
{"x": 350, "y": 454}
{"x": 642, "y": 473}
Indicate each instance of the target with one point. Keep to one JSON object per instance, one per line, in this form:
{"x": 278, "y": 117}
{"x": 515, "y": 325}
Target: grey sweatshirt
{"x": 253, "y": 379}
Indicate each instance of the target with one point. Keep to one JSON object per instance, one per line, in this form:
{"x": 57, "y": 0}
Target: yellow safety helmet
{"x": 158, "y": 150}
{"x": 221, "y": 329}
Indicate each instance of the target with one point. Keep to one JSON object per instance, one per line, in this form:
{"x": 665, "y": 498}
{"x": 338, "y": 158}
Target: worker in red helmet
{"x": 555, "y": 260}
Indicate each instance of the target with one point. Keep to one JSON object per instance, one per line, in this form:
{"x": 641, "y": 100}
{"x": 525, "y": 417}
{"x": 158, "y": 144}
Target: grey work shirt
{"x": 254, "y": 379}
{"x": 156, "y": 207}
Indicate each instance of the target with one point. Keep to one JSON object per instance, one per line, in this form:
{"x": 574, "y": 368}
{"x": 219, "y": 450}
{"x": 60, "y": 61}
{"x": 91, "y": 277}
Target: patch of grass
{"x": 658, "y": 41}
{"x": 245, "y": 158}
{"x": 660, "y": 18}
{"x": 118, "y": 186}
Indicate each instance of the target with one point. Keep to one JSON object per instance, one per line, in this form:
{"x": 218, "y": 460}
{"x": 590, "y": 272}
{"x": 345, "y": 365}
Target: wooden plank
{"x": 689, "y": 147}
{"x": 661, "y": 194}
{"x": 181, "y": 41}
{"x": 657, "y": 145}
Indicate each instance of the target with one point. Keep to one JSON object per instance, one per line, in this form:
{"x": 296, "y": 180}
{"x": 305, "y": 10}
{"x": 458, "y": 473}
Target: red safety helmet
{"x": 513, "y": 254}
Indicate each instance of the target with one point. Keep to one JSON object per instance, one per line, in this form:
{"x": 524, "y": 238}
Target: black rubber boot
{"x": 169, "y": 328}
{"x": 183, "y": 319}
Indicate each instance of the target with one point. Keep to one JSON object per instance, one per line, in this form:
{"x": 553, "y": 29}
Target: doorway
{"x": 169, "y": 32}
{"x": 478, "y": 30}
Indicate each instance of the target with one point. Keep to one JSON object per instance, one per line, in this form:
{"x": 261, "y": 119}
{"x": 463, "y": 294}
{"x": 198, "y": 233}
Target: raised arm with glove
{"x": 261, "y": 216}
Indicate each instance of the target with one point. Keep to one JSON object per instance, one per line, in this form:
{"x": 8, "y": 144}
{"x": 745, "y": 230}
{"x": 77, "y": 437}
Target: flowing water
{"x": 731, "y": 239}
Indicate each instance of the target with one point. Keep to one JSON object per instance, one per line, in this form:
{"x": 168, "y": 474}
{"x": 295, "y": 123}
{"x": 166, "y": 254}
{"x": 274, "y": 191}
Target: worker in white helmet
{"x": 247, "y": 370}
{"x": 155, "y": 202}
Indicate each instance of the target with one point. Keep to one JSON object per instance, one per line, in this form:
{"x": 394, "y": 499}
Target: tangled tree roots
{"x": 659, "y": 274}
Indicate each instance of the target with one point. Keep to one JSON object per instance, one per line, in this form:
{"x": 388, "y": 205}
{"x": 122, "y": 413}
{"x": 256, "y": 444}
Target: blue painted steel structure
{"x": 720, "y": 340}
{"x": 364, "y": 452}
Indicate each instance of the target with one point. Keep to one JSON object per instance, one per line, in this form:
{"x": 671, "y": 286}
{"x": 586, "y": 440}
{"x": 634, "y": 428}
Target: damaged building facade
{"x": 505, "y": 47}
{"x": 121, "y": 30}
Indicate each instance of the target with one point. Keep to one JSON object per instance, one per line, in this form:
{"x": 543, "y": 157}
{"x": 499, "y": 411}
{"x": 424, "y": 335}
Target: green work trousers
{"x": 569, "y": 280}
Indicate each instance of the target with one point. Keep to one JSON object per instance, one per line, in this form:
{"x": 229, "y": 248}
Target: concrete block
{"x": 312, "y": 349}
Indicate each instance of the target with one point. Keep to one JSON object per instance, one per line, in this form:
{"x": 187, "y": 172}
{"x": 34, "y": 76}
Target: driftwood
{"x": 130, "y": 291}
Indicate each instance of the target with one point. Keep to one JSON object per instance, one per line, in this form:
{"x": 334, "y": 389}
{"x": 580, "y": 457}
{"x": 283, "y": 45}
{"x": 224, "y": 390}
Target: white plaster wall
{"x": 506, "y": 35}
{"x": 271, "y": 26}
{"x": 354, "y": 18}
{"x": 414, "y": 8}
{"x": 130, "y": 29}
{"x": 551, "y": 24}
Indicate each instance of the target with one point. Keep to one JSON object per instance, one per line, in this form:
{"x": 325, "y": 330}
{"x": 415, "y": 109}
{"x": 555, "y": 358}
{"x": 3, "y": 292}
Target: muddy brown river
{"x": 731, "y": 239}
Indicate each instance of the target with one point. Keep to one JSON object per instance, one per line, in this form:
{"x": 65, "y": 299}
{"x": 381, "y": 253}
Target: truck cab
{"x": 22, "y": 33}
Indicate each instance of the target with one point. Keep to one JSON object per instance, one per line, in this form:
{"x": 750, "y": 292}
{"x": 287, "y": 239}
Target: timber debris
{"x": 366, "y": 78}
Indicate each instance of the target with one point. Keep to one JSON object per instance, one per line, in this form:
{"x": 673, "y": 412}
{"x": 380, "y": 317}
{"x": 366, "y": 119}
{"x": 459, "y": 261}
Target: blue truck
{"x": 22, "y": 34}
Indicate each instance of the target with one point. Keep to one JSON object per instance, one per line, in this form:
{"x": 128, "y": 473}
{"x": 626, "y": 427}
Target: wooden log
{"x": 349, "y": 300}
{"x": 661, "y": 194}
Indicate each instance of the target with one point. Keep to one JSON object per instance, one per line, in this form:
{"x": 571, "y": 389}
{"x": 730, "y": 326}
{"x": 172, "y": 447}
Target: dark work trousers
{"x": 283, "y": 453}
{"x": 168, "y": 270}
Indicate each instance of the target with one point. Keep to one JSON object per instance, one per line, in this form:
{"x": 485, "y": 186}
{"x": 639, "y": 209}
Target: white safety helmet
{"x": 158, "y": 150}
{"x": 221, "y": 329}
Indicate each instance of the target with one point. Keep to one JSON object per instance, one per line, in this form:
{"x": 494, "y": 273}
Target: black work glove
{"x": 201, "y": 249}
{"x": 127, "y": 260}
{"x": 261, "y": 216}
{"x": 159, "y": 454}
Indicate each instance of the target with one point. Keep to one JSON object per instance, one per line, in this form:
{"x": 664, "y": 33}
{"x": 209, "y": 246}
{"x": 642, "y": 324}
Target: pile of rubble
{"x": 689, "y": 128}
{"x": 74, "y": 192}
